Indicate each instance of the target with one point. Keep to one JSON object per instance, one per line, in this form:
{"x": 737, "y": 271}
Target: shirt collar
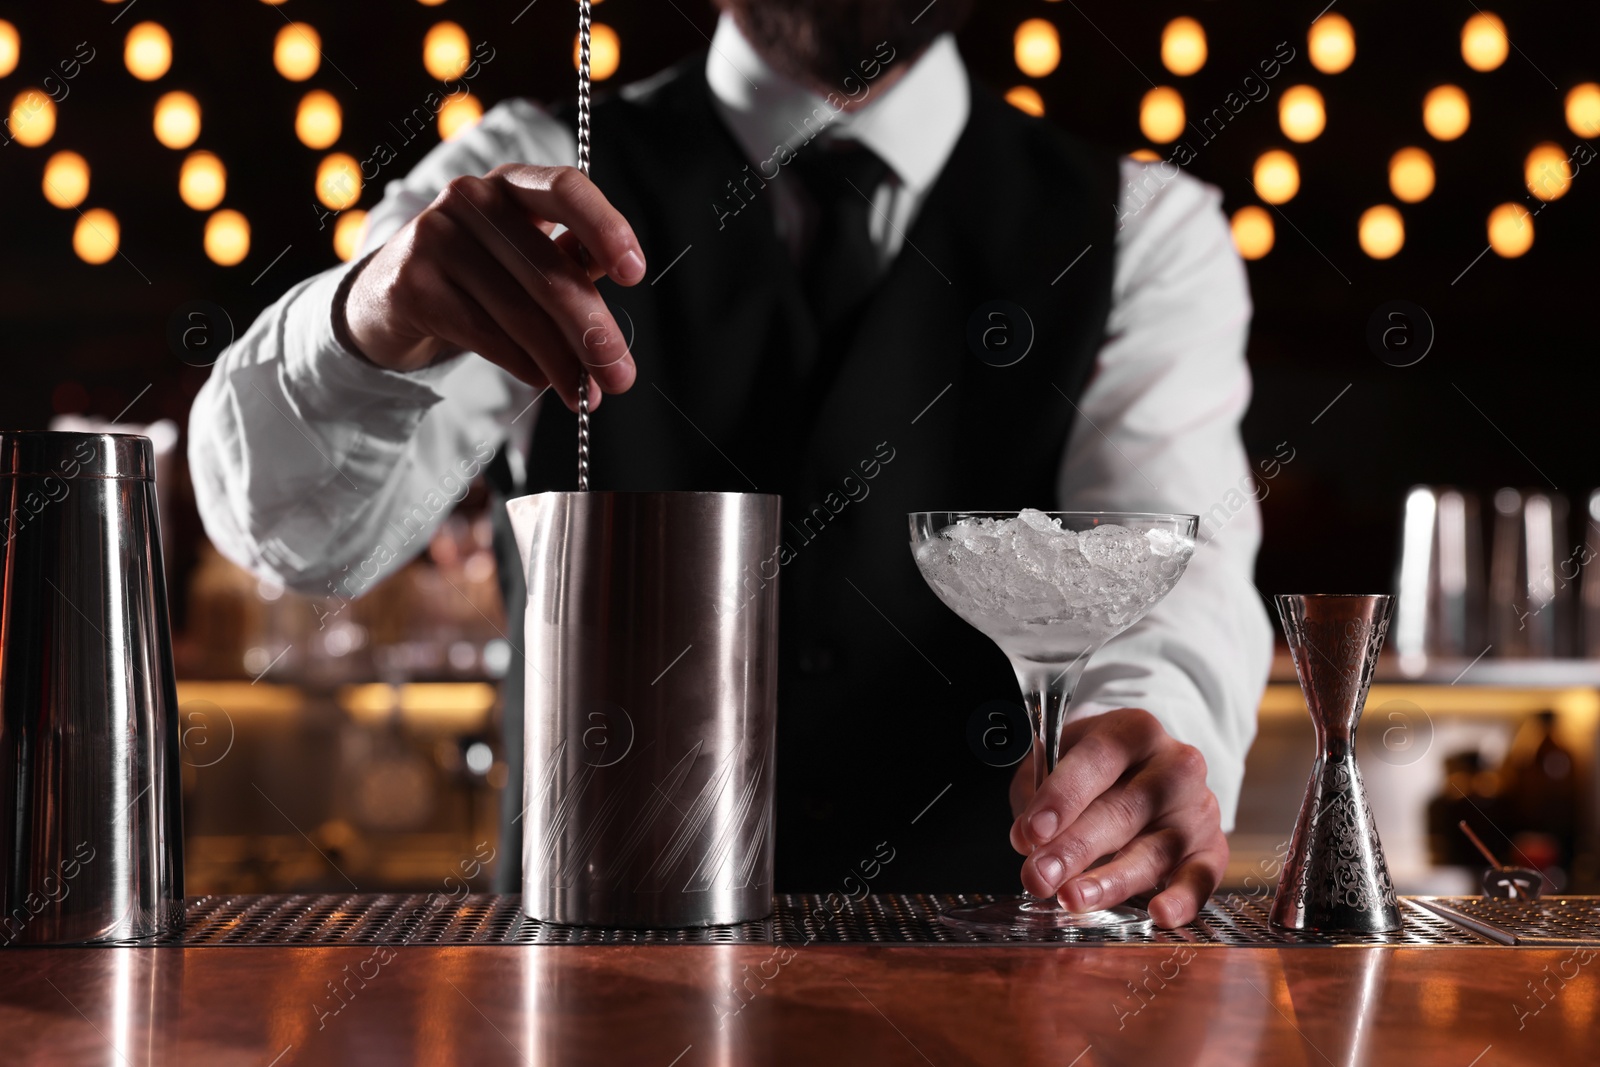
{"x": 913, "y": 127}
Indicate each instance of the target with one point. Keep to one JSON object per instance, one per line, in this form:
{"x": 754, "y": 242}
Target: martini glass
{"x": 1050, "y": 588}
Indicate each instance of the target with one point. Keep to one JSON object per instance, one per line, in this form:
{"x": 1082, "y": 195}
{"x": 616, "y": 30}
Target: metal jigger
{"x": 1335, "y": 877}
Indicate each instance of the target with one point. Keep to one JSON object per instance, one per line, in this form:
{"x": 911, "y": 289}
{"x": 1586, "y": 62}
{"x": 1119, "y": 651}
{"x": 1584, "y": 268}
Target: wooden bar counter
{"x": 676, "y": 1006}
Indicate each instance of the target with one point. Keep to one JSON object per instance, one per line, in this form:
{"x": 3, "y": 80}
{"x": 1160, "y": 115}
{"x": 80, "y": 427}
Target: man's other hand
{"x": 479, "y": 271}
{"x": 1126, "y": 793}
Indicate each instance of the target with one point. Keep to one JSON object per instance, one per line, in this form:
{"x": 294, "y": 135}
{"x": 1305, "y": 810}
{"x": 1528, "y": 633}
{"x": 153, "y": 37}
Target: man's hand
{"x": 1125, "y": 791}
{"x": 478, "y": 271}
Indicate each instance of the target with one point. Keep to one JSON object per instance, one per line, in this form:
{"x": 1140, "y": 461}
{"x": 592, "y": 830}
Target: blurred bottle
{"x": 1542, "y": 795}
{"x": 224, "y": 614}
{"x": 1531, "y": 574}
{"x": 1590, "y": 646}
{"x": 1439, "y": 611}
{"x": 1470, "y": 793}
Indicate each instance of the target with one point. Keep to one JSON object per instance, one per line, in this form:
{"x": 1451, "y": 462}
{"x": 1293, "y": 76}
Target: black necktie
{"x": 841, "y": 266}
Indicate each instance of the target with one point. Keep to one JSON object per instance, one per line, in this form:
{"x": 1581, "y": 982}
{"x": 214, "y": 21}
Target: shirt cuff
{"x": 328, "y": 379}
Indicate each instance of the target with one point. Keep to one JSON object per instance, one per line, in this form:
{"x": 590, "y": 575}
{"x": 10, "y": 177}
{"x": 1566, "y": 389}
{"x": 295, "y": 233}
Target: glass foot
{"x": 1039, "y": 918}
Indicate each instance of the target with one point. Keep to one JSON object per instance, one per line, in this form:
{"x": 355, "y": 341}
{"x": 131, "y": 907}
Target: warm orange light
{"x": 1484, "y": 44}
{"x": 1332, "y": 43}
{"x": 177, "y": 121}
{"x": 1145, "y": 155}
{"x": 348, "y": 233}
{"x": 1183, "y": 46}
{"x": 297, "y": 51}
{"x": 1411, "y": 175}
{"x": 338, "y": 181}
{"x": 1026, "y": 98}
{"x": 1510, "y": 230}
{"x": 10, "y": 48}
{"x": 227, "y": 239}
{"x": 33, "y": 118}
{"x": 605, "y": 51}
{"x": 1382, "y": 231}
{"x": 66, "y": 179}
{"x": 202, "y": 181}
{"x": 147, "y": 51}
{"x": 318, "y": 120}
{"x": 446, "y": 51}
{"x": 459, "y": 115}
{"x": 1301, "y": 114}
{"x": 1445, "y": 113}
{"x": 1276, "y": 176}
{"x": 1547, "y": 171}
{"x": 96, "y": 236}
{"x": 1253, "y": 233}
{"x": 1583, "y": 110}
{"x": 1161, "y": 116}
{"x": 1037, "y": 47}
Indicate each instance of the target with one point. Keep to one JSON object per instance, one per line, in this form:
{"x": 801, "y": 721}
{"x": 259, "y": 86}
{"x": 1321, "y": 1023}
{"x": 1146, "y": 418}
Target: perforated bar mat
{"x": 1551, "y": 921}
{"x": 898, "y": 919}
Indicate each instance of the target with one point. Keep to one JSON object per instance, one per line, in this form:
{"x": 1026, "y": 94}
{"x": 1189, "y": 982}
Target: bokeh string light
{"x": 1253, "y": 231}
{"x": 1161, "y": 114}
{"x": 177, "y": 119}
{"x": 202, "y": 181}
{"x": 32, "y": 121}
{"x": 1301, "y": 114}
{"x": 1547, "y": 171}
{"x": 1331, "y": 43}
{"x": 1026, "y": 98}
{"x": 147, "y": 51}
{"x": 1411, "y": 175}
{"x": 348, "y": 233}
{"x": 96, "y": 236}
{"x": 605, "y": 51}
{"x": 1510, "y": 230}
{"x": 66, "y": 179}
{"x": 1276, "y": 176}
{"x": 1036, "y": 47}
{"x": 1583, "y": 110}
{"x": 297, "y": 51}
{"x": 227, "y": 237}
{"x": 1446, "y": 113}
{"x": 318, "y": 120}
{"x": 1381, "y": 231}
{"x": 446, "y": 52}
{"x": 338, "y": 181}
{"x": 1183, "y": 46}
{"x": 1484, "y": 44}
{"x": 459, "y": 114}
{"x": 10, "y": 48}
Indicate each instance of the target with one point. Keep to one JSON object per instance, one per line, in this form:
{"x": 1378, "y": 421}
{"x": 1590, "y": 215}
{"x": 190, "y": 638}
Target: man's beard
{"x": 823, "y": 42}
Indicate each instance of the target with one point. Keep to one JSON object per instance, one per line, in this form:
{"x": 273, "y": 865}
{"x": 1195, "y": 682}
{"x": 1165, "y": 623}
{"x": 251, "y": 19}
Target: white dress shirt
{"x": 314, "y": 467}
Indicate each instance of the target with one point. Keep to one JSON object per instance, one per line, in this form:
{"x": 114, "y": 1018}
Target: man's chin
{"x": 821, "y": 43}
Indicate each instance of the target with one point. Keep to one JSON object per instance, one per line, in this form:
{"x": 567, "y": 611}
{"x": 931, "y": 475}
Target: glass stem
{"x": 1047, "y": 692}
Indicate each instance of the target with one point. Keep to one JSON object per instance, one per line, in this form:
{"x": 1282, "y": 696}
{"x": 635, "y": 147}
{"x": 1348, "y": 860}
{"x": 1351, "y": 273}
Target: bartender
{"x": 799, "y": 246}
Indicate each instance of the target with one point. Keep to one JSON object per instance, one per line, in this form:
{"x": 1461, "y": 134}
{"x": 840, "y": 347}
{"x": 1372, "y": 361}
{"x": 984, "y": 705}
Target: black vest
{"x": 736, "y": 392}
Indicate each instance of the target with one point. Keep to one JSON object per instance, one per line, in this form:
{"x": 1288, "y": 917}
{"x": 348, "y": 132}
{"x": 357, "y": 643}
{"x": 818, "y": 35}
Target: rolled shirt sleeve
{"x": 1158, "y": 430}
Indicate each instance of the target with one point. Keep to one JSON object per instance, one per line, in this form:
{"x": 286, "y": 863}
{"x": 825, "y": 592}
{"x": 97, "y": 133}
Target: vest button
{"x": 816, "y": 661}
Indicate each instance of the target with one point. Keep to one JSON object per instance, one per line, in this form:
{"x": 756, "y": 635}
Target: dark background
{"x": 1514, "y": 336}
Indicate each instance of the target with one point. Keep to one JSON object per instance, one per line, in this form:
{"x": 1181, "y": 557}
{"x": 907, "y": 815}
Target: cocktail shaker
{"x": 1335, "y": 877}
{"x": 89, "y": 779}
{"x": 651, "y": 706}
{"x": 1530, "y": 576}
{"x": 1439, "y": 610}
